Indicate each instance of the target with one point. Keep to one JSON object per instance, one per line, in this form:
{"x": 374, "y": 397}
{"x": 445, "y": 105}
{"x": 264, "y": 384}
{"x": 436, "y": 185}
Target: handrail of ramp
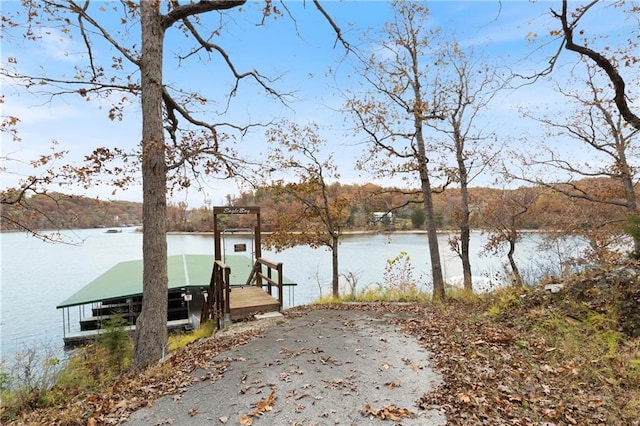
{"x": 257, "y": 275}
{"x": 217, "y": 303}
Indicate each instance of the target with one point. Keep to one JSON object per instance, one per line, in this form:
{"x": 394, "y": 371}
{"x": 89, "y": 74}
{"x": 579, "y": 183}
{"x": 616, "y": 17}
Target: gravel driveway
{"x": 318, "y": 367}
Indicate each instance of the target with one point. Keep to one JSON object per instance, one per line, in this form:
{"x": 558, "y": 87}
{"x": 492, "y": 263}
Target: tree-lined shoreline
{"x": 550, "y": 210}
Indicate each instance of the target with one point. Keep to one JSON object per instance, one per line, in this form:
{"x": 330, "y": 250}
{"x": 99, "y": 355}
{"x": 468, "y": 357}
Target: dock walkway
{"x": 82, "y": 337}
{"x": 245, "y": 301}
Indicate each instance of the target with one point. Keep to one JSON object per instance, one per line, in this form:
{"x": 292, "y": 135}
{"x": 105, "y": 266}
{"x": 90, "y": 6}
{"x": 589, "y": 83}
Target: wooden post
{"x": 257, "y": 233}
{"x": 258, "y": 246}
{"x": 280, "y": 289}
{"x": 235, "y": 211}
{"x": 217, "y": 255}
{"x": 227, "y": 296}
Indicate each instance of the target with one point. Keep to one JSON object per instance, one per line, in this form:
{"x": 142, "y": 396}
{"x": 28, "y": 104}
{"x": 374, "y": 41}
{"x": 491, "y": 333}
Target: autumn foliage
{"x": 548, "y": 210}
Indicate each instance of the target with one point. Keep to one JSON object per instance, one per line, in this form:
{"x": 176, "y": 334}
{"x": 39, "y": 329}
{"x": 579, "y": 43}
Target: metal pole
{"x": 64, "y": 327}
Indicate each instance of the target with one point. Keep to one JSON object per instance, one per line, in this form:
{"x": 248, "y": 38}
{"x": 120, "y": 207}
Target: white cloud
{"x": 59, "y": 46}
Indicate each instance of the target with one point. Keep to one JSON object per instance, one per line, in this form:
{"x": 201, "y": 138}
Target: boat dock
{"x": 118, "y": 291}
{"x": 223, "y": 287}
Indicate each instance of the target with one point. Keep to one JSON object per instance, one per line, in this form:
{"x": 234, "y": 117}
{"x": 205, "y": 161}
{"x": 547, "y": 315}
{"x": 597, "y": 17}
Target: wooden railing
{"x": 257, "y": 275}
{"x": 217, "y": 302}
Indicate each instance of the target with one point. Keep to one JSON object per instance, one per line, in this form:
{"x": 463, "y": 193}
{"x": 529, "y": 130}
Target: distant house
{"x": 382, "y": 218}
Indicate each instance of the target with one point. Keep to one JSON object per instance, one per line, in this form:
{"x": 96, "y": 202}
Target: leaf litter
{"x": 495, "y": 372}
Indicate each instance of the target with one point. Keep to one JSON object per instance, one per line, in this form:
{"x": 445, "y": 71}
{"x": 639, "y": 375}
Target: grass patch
{"x": 593, "y": 349}
{"x": 36, "y": 382}
{"x": 180, "y": 340}
{"x": 330, "y": 300}
{"x": 382, "y": 293}
{"x": 461, "y": 295}
{"x": 26, "y": 384}
{"x": 592, "y": 345}
{"x": 400, "y": 285}
{"x": 505, "y": 301}
{"x": 378, "y": 293}
{"x": 580, "y": 341}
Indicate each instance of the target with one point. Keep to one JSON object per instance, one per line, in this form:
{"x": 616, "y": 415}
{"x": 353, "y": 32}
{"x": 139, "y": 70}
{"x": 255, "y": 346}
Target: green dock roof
{"x": 186, "y": 270}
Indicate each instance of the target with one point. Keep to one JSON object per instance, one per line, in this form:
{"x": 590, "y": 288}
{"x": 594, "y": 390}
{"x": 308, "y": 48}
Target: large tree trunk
{"x": 465, "y": 233}
{"x": 151, "y": 327}
{"x": 425, "y": 184}
{"x": 334, "y": 264}
{"x": 432, "y": 235}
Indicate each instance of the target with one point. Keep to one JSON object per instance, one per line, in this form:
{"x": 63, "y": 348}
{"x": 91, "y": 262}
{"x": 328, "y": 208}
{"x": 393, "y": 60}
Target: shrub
{"x": 398, "y": 274}
{"x": 117, "y": 343}
{"x": 26, "y": 383}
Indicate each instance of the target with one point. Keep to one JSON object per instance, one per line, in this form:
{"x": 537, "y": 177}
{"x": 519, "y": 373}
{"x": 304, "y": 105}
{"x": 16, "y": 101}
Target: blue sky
{"x": 301, "y": 54}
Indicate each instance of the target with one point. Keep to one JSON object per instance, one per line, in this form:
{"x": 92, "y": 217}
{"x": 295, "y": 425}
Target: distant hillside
{"x": 62, "y": 211}
{"x": 545, "y": 209}
{"x": 532, "y": 208}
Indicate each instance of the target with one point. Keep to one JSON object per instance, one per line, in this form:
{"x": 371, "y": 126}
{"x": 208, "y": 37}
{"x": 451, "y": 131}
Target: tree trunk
{"x": 434, "y": 249}
{"x": 334, "y": 264}
{"x": 151, "y": 327}
{"x": 425, "y": 183}
{"x": 626, "y": 175}
{"x": 517, "y": 278}
{"x": 465, "y": 233}
{"x": 432, "y": 235}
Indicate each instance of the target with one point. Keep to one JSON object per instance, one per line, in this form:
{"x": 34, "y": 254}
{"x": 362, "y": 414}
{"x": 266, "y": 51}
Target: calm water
{"x": 36, "y": 276}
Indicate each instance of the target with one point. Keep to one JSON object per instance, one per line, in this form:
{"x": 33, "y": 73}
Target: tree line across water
{"x": 369, "y": 207}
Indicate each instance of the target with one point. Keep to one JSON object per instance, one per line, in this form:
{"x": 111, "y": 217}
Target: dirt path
{"x": 321, "y": 367}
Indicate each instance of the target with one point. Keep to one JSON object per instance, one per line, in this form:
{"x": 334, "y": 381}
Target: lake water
{"x": 36, "y": 276}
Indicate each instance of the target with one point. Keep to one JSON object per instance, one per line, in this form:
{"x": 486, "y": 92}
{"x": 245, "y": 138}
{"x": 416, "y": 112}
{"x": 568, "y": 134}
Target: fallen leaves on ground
{"x": 140, "y": 389}
{"x": 388, "y": 412}
{"x": 495, "y": 371}
{"x": 261, "y": 407}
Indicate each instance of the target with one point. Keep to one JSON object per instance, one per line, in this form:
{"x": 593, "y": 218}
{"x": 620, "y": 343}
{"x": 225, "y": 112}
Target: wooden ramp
{"x": 247, "y": 301}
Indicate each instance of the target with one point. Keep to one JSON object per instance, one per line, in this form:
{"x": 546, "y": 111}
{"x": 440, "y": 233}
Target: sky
{"x": 303, "y": 57}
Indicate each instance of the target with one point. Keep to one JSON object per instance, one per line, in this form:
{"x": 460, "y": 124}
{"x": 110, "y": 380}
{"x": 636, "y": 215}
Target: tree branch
{"x": 181, "y": 12}
{"x": 606, "y": 65}
{"x": 82, "y": 14}
{"x": 333, "y": 25}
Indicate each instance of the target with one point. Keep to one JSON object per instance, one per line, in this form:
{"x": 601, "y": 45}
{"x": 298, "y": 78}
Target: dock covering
{"x": 184, "y": 271}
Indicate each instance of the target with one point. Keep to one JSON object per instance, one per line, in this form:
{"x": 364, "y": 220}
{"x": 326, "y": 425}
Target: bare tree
{"x": 504, "y": 220}
{"x": 611, "y": 66}
{"x": 393, "y": 115}
{"x": 313, "y": 211}
{"x": 601, "y": 131}
{"x": 467, "y": 86}
{"x": 176, "y": 136}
